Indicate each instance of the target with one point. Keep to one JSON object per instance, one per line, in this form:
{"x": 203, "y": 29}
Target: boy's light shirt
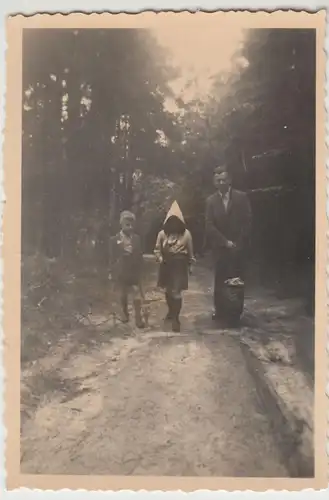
{"x": 126, "y": 242}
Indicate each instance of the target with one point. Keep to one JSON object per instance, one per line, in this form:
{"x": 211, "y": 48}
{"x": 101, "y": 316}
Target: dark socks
{"x": 169, "y": 304}
{"x": 176, "y": 309}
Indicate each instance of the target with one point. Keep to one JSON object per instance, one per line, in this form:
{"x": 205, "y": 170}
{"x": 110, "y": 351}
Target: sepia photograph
{"x": 167, "y": 264}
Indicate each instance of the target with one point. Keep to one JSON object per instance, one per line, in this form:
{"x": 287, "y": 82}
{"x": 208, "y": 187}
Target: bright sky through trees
{"x": 200, "y": 52}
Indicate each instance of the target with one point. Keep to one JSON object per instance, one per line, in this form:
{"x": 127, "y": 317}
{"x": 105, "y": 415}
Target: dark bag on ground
{"x": 233, "y": 298}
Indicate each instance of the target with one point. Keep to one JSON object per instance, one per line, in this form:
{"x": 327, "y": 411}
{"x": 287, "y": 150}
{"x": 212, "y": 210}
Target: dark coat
{"x": 125, "y": 268}
{"x": 233, "y": 224}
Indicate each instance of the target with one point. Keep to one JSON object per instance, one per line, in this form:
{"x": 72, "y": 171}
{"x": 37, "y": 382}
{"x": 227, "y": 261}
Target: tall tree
{"x": 98, "y": 96}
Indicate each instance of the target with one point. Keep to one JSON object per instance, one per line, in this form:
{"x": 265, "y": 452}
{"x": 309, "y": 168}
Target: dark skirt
{"x": 174, "y": 272}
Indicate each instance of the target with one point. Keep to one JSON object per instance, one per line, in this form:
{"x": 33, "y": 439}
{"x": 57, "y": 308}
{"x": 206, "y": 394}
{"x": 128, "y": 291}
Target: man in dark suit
{"x": 228, "y": 222}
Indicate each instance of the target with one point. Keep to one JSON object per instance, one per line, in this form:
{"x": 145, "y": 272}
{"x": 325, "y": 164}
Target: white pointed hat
{"x": 175, "y": 211}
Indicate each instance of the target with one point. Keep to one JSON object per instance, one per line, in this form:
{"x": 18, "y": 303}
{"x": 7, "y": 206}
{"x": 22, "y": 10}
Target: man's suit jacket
{"x": 232, "y": 224}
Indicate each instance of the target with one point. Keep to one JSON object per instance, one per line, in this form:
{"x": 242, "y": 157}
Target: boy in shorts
{"x": 126, "y": 267}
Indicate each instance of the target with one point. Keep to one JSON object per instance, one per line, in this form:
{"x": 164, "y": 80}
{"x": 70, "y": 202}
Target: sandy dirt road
{"x": 147, "y": 403}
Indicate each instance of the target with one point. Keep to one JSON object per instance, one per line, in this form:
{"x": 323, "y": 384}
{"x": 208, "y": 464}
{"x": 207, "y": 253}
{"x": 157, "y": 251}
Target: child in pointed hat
{"x": 174, "y": 252}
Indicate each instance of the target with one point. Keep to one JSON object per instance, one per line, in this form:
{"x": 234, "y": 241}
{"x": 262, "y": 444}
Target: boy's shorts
{"x": 134, "y": 290}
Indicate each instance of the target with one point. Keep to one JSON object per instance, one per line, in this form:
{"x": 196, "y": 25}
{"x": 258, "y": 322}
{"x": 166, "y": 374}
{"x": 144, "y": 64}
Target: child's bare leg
{"x": 124, "y": 303}
{"x": 137, "y": 299}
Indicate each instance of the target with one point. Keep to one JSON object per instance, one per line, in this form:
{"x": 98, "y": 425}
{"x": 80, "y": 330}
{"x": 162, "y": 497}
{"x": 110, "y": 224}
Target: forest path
{"x": 119, "y": 401}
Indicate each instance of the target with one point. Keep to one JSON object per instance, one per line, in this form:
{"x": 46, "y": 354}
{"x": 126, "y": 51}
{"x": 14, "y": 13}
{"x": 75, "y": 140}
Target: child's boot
{"x": 176, "y": 307}
{"x": 169, "y": 301}
{"x": 138, "y": 314}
